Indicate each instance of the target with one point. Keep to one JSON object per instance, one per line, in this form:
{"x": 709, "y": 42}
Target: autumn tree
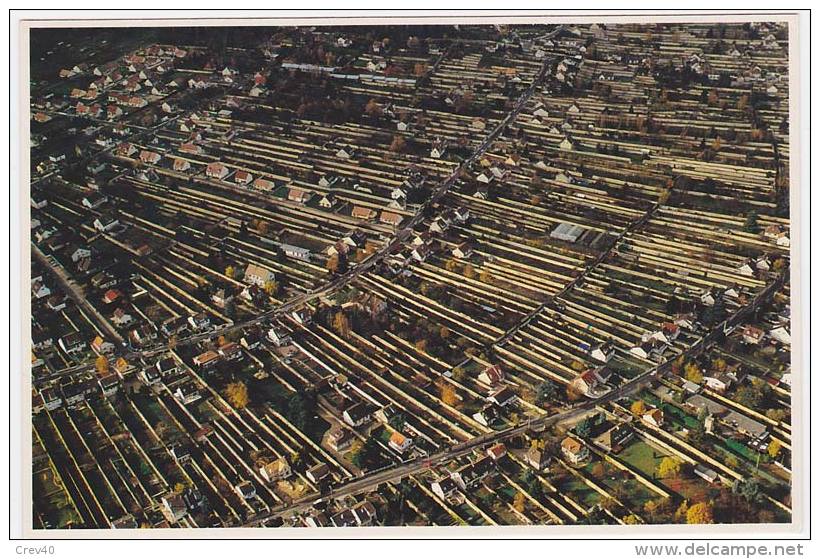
{"x": 237, "y": 394}
{"x": 448, "y": 395}
{"x": 271, "y": 287}
{"x": 373, "y": 108}
{"x": 397, "y": 145}
{"x": 230, "y": 271}
{"x": 469, "y": 271}
{"x": 669, "y": 467}
{"x": 700, "y": 513}
{"x": 518, "y": 501}
{"x": 692, "y": 372}
{"x": 631, "y": 519}
{"x": 333, "y": 264}
{"x": 101, "y": 364}
{"x": 774, "y": 448}
{"x": 341, "y": 324}
{"x": 638, "y": 407}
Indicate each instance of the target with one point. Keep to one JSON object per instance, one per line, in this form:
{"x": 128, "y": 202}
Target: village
{"x": 412, "y": 276}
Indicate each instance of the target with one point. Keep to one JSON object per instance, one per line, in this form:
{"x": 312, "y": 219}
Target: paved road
{"x": 76, "y": 294}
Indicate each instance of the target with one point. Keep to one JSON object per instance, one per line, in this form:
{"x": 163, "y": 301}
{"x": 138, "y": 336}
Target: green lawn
{"x": 642, "y": 457}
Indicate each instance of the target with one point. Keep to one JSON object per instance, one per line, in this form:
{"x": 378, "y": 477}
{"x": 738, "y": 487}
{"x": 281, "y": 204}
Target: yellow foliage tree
{"x": 448, "y": 395}
{"x": 341, "y": 324}
{"x": 518, "y": 501}
{"x": 692, "y": 372}
{"x": 700, "y": 513}
{"x": 101, "y": 364}
{"x": 230, "y": 272}
{"x": 638, "y": 407}
{"x": 669, "y": 467}
{"x": 774, "y": 448}
{"x": 237, "y": 394}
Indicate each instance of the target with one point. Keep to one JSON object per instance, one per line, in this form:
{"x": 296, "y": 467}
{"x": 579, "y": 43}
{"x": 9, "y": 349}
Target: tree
{"x": 700, "y": 513}
{"x": 397, "y": 145}
{"x": 692, "y": 372}
{"x": 341, "y": 324}
{"x": 237, "y": 394}
{"x": 469, "y": 271}
{"x": 518, "y": 501}
{"x": 421, "y": 345}
{"x": 333, "y": 264}
{"x": 750, "y": 225}
{"x": 373, "y": 108}
{"x": 631, "y": 519}
{"x": 230, "y": 271}
{"x": 444, "y": 332}
{"x": 101, "y": 364}
{"x": 485, "y": 276}
{"x": 449, "y": 396}
{"x": 638, "y": 407}
{"x": 271, "y": 287}
{"x": 546, "y": 391}
{"x": 669, "y": 467}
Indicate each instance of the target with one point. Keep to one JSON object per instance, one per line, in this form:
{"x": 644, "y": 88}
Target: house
{"x": 497, "y": 451}
{"x": 491, "y": 376}
{"x": 502, "y": 397}
{"x": 222, "y": 297}
{"x": 654, "y": 417}
{"x": 109, "y": 385}
{"x": 614, "y": 438}
{"x": 173, "y": 507}
{"x": 752, "y": 335}
{"x": 590, "y": 380}
{"x": 318, "y": 520}
{"x": 568, "y": 232}
{"x": 574, "y": 450}
{"x": 216, "y": 170}
{"x": 363, "y": 213}
{"x": 102, "y": 346}
{"x": 94, "y": 200}
{"x": 399, "y": 442}
{"x": 80, "y": 253}
{"x": 151, "y": 157}
{"x": 181, "y": 164}
{"x": 243, "y": 177}
{"x": 781, "y": 335}
{"x": 707, "y": 474}
{"x": 318, "y": 473}
{"x": 327, "y": 201}
{"x": 486, "y": 415}
{"x": 72, "y": 343}
{"x": 258, "y": 275}
{"x": 463, "y": 250}
{"x": 167, "y": 366}
{"x": 277, "y": 337}
{"x": 603, "y": 352}
{"x": 276, "y": 470}
{"x": 231, "y": 351}
{"x": 340, "y": 439}
{"x": 391, "y": 218}
{"x": 365, "y": 513}
{"x": 264, "y": 185}
{"x": 111, "y": 296}
{"x": 245, "y": 489}
{"x": 40, "y": 290}
{"x": 57, "y": 302}
{"x": 299, "y": 195}
{"x": 187, "y": 393}
{"x": 206, "y": 360}
{"x": 472, "y": 474}
{"x": 537, "y": 459}
{"x": 444, "y": 487}
{"x": 719, "y": 382}
{"x": 250, "y": 340}
{"x": 293, "y": 251}
{"x": 121, "y": 318}
{"x": 142, "y": 335}
{"x": 106, "y": 223}
{"x": 51, "y": 399}
{"x": 358, "y": 414}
